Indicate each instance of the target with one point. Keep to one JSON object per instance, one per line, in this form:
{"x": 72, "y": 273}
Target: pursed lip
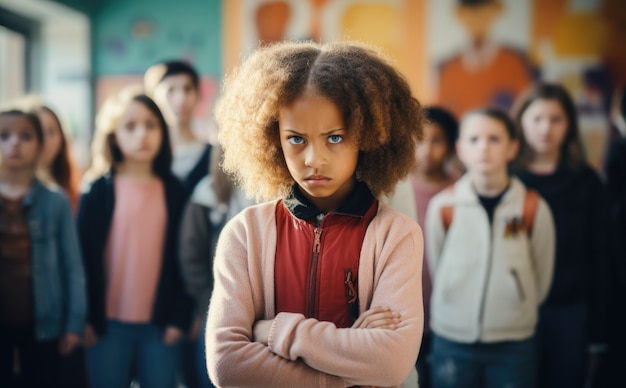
{"x": 316, "y": 178}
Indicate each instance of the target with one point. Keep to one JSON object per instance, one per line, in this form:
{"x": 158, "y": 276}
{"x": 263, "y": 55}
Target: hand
{"x": 172, "y": 335}
{"x": 194, "y": 330}
{"x": 261, "y": 331}
{"x": 378, "y": 318}
{"x": 68, "y": 342}
{"x": 90, "y": 337}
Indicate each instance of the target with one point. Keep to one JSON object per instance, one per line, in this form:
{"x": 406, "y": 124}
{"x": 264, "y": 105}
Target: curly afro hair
{"x": 375, "y": 99}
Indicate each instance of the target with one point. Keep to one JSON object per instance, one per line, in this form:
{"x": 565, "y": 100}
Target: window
{"x": 12, "y": 64}
{"x": 16, "y": 36}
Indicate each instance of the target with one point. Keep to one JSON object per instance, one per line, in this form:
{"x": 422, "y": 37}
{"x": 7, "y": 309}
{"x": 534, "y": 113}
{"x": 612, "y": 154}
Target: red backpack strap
{"x": 531, "y": 200}
{"x": 447, "y": 212}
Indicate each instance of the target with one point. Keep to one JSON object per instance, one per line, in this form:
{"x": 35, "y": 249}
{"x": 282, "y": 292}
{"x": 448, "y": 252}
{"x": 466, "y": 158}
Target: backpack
{"x": 531, "y": 200}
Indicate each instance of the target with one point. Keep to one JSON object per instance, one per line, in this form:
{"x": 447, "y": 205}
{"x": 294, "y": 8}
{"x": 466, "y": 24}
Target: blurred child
{"x": 571, "y": 331}
{"x": 490, "y": 248}
{"x": 42, "y": 283}
{"x": 321, "y": 287}
{"x": 175, "y": 87}
{"x": 57, "y": 164}
{"x": 611, "y": 369}
{"x": 128, "y": 219}
{"x": 430, "y": 177}
{"x": 616, "y": 161}
{"x": 213, "y": 202}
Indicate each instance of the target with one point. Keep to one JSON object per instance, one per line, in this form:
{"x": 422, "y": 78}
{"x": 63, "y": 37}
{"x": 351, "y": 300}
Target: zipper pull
{"x": 316, "y": 242}
{"x": 350, "y": 287}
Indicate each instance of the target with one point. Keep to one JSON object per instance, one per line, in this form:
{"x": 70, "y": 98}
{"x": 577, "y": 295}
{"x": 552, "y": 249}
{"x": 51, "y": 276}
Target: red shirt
{"x": 317, "y": 262}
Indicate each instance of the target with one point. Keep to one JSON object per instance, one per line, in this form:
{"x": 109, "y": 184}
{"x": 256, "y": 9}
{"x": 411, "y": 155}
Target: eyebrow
{"x": 332, "y": 131}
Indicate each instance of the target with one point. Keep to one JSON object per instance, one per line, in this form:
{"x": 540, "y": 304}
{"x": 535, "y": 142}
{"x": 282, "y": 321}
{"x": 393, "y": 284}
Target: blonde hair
{"x": 374, "y": 98}
{"x": 104, "y": 150}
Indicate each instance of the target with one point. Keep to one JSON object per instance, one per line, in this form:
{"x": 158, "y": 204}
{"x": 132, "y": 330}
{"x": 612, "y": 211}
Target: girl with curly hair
{"x": 320, "y": 286}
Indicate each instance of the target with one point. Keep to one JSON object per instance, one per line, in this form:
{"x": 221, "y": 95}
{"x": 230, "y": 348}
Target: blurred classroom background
{"x": 458, "y": 53}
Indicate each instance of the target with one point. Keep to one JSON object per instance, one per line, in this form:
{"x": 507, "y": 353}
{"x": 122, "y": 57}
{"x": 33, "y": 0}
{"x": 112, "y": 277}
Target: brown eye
{"x": 151, "y": 124}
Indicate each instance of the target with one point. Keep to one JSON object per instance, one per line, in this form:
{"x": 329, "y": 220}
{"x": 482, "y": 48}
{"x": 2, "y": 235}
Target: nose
{"x": 314, "y": 156}
{"x": 177, "y": 98}
{"x": 544, "y": 127}
{"x": 141, "y": 132}
{"x": 13, "y": 141}
{"x": 483, "y": 145}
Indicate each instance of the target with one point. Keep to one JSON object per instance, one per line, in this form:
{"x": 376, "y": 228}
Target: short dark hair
{"x": 475, "y": 3}
{"x": 32, "y": 118}
{"x": 446, "y": 121}
{"x": 496, "y": 114}
{"x": 158, "y": 72}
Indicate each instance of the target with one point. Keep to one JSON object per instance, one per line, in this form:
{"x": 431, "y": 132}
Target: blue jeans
{"x": 128, "y": 345}
{"x": 508, "y": 364}
{"x": 38, "y": 360}
{"x": 202, "y": 373}
{"x": 423, "y": 361}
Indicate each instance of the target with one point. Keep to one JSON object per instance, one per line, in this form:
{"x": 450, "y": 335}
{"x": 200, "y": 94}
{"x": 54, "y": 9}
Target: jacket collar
{"x": 357, "y": 203}
{"x": 32, "y": 194}
{"x": 464, "y": 192}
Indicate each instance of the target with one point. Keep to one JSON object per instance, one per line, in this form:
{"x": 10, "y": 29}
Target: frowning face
{"x": 320, "y": 153}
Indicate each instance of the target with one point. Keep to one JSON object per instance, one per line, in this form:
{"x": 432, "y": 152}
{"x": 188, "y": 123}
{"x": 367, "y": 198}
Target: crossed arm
{"x": 248, "y": 346}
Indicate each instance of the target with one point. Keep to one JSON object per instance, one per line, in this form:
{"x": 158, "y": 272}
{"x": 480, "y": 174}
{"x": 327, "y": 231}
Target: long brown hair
{"x": 63, "y": 170}
{"x": 572, "y": 149}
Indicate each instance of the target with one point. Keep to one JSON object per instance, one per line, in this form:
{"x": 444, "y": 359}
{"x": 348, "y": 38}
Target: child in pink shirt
{"x": 128, "y": 222}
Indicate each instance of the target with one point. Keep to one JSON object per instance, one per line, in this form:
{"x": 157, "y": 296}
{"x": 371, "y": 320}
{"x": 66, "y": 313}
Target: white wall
{"x": 62, "y": 65}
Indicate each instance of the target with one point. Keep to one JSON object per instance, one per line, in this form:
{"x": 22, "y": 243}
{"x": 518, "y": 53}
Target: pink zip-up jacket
{"x": 307, "y": 352}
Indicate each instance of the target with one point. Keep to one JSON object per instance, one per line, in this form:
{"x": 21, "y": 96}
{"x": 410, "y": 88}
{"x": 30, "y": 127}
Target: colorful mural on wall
{"x": 463, "y": 53}
{"x": 478, "y": 52}
{"x": 457, "y": 53}
{"x": 387, "y": 24}
{"x": 580, "y": 45}
{"x": 131, "y": 36}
